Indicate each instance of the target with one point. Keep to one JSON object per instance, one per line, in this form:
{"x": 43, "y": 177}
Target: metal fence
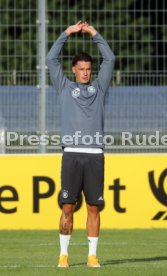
{"x": 135, "y": 30}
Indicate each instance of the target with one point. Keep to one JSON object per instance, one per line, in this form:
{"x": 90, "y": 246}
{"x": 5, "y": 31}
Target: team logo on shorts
{"x": 76, "y": 92}
{"x": 64, "y": 194}
{"x": 91, "y": 89}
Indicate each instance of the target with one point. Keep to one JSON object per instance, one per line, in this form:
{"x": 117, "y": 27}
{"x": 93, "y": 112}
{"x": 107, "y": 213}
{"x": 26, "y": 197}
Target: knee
{"x": 93, "y": 210}
{"x": 68, "y": 209}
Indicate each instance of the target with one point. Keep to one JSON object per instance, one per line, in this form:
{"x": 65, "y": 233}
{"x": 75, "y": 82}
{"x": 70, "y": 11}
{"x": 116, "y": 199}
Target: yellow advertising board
{"x": 135, "y": 192}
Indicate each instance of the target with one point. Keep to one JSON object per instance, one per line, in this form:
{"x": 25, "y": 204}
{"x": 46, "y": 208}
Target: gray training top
{"x": 82, "y": 105}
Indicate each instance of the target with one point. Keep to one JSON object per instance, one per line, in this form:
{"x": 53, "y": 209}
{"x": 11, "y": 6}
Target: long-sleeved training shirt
{"x": 82, "y": 105}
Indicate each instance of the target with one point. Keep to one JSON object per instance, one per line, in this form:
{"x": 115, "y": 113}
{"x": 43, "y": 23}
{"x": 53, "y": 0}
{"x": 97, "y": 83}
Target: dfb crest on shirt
{"x": 65, "y": 194}
{"x": 76, "y": 92}
{"x": 91, "y": 89}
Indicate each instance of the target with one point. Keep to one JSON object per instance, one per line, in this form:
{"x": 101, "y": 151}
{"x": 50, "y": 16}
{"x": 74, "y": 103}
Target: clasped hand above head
{"x": 82, "y": 27}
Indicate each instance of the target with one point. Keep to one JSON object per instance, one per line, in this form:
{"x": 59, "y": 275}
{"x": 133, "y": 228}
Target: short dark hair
{"x": 81, "y": 57}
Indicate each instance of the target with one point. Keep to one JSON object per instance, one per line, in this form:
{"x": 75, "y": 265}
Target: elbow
{"x": 50, "y": 56}
{"x": 48, "y": 59}
{"x": 112, "y": 57}
{"x": 111, "y": 60}
{"x": 51, "y": 60}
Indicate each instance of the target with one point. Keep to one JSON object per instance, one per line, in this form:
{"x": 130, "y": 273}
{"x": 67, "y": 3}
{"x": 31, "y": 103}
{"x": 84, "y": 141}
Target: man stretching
{"x": 82, "y": 116}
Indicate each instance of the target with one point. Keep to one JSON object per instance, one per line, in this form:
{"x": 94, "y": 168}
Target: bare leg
{"x": 66, "y": 220}
{"x": 93, "y": 221}
{"x": 66, "y": 227}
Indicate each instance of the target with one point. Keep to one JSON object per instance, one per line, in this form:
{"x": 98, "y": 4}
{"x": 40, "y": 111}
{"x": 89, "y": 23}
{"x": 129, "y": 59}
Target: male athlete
{"x": 82, "y": 112}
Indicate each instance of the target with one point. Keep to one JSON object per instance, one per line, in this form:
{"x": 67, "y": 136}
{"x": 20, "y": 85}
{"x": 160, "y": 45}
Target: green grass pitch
{"x": 121, "y": 252}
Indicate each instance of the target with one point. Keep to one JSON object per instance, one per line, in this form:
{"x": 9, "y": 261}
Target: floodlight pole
{"x": 41, "y": 68}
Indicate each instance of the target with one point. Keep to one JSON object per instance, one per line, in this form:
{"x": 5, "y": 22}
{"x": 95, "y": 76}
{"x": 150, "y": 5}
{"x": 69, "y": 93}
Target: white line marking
{"x": 10, "y": 266}
{"x": 28, "y": 266}
{"x": 79, "y": 244}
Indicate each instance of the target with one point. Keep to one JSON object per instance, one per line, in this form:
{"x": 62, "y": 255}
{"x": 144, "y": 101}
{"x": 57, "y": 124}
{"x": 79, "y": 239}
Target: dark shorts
{"x": 82, "y": 172}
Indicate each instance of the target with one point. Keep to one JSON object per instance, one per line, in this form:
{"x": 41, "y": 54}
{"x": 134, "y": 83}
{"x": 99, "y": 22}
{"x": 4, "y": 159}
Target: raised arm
{"x": 106, "y": 67}
{"x": 55, "y": 69}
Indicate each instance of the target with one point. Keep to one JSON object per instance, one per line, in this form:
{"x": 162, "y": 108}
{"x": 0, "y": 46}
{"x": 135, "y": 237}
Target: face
{"x": 82, "y": 71}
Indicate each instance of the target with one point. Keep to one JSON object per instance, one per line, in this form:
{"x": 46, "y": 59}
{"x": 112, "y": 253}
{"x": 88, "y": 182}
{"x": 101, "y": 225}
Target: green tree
{"x": 135, "y": 29}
